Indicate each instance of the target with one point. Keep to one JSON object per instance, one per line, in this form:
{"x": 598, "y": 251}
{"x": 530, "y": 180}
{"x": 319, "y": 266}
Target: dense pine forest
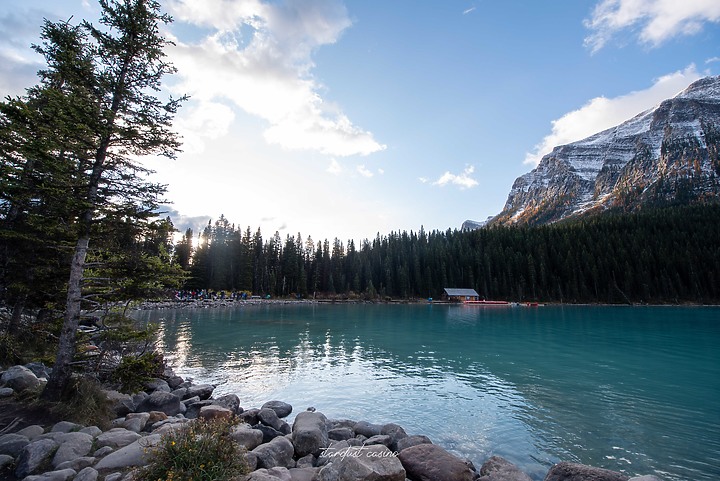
{"x": 656, "y": 256}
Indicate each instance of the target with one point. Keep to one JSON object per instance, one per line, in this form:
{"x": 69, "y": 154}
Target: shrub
{"x": 134, "y": 371}
{"x": 201, "y": 450}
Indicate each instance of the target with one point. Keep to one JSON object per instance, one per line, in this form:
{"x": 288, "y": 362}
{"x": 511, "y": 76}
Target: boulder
{"x": 303, "y": 474}
{"x": 203, "y": 391}
{"x": 580, "y": 472}
{"x": 268, "y": 433}
{"x": 87, "y": 474}
{"x": 229, "y": 401}
{"x": 246, "y": 436}
{"x": 136, "y": 422}
{"x": 282, "y": 409}
{"x": 131, "y": 455}
{"x": 157, "y": 385}
{"x": 376, "y": 463}
{"x": 249, "y": 416}
{"x": 12, "y": 444}
{"x": 65, "y": 427}
{"x": 396, "y": 433}
{"x": 340, "y": 434}
{"x": 214, "y": 412}
{"x": 194, "y": 407}
{"x": 411, "y": 441}
{"x": 500, "y": 469}
{"x": 93, "y": 431}
{"x": 72, "y": 446}
{"x": 6, "y": 461}
{"x": 268, "y": 417}
{"x": 309, "y": 433}
{"x": 174, "y": 381}
{"x": 277, "y": 453}
{"x": 383, "y": 439}
{"x": 33, "y": 456}
{"x": 6, "y": 392}
{"x": 62, "y": 475}
{"x": 273, "y": 474}
{"x": 19, "y": 378}
{"x": 161, "y": 401}
{"x": 121, "y": 403}
{"x": 116, "y": 438}
{"x": 39, "y": 369}
{"x": 367, "y": 429}
{"x": 429, "y": 462}
{"x": 77, "y": 464}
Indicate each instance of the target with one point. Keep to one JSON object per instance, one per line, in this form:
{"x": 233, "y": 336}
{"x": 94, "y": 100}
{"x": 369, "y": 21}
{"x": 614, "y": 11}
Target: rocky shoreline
{"x": 312, "y": 448}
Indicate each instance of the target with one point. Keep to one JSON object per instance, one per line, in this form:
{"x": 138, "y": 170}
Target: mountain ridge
{"x": 664, "y": 155}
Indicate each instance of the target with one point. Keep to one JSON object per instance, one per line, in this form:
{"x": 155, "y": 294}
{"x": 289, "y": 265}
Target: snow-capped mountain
{"x": 668, "y": 154}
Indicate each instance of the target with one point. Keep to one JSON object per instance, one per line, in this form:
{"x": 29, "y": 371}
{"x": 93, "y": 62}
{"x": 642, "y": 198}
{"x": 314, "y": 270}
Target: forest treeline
{"x": 659, "y": 255}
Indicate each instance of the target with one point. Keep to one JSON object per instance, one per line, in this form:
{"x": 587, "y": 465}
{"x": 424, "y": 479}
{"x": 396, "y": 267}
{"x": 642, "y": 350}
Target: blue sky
{"x": 350, "y": 118}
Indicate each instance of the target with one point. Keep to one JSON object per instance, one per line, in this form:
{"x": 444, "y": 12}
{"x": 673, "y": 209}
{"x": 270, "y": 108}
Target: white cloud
{"x": 259, "y": 57}
{"x": 202, "y": 122}
{"x": 655, "y": 20}
{"x": 601, "y": 113}
{"x": 469, "y": 10}
{"x": 463, "y": 180}
{"x": 362, "y": 170}
{"x": 334, "y": 167}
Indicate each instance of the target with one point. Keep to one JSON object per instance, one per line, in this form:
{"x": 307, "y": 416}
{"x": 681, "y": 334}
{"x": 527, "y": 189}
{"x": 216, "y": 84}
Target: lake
{"x": 633, "y": 389}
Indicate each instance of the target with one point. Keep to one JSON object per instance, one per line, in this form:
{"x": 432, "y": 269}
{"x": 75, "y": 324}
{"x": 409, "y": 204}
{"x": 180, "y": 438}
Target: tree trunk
{"x": 66, "y": 348}
{"x": 16, "y": 318}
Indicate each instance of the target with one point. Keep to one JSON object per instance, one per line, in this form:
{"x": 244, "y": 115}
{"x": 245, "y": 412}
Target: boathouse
{"x": 460, "y": 295}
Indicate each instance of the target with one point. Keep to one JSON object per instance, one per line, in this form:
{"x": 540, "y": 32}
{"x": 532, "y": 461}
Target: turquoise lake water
{"x": 633, "y": 389}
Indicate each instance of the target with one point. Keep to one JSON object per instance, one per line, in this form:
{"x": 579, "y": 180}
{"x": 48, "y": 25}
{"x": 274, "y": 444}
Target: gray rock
{"x": 6, "y": 461}
{"x": 122, "y": 404}
{"x": 136, "y": 422}
{"x": 250, "y": 460}
{"x": 6, "y": 392}
{"x": 157, "y": 385}
{"x": 113, "y": 477}
{"x": 429, "y": 462}
{"x": 367, "y": 429}
{"x": 500, "y": 469}
{"x": 411, "y": 441}
{"x": 131, "y": 455}
{"x": 333, "y": 451}
{"x": 139, "y": 397}
{"x": 383, "y": 439}
{"x": 342, "y": 423}
{"x": 376, "y": 463}
{"x": 163, "y": 402}
{"x": 229, "y": 401}
{"x": 72, "y": 446}
{"x": 19, "y": 378}
{"x": 396, "y": 433}
{"x": 77, "y": 464}
{"x": 305, "y": 462}
{"x": 62, "y": 475}
{"x": 104, "y": 451}
{"x": 282, "y": 409}
{"x": 203, "y": 391}
{"x": 249, "y": 416}
{"x": 303, "y": 473}
{"x": 39, "y": 369}
{"x": 246, "y": 436}
{"x": 65, "y": 427}
{"x": 268, "y": 417}
{"x": 580, "y": 472}
{"x": 116, "y": 438}
{"x": 174, "y": 381}
{"x": 278, "y": 452}
{"x": 309, "y": 433}
{"x": 193, "y": 409}
{"x": 87, "y": 474}
{"x": 268, "y": 433}
{"x": 273, "y": 474}
{"x": 214, "y": 411}
{"x": 32, "y": 432}
{"x": 33, "y": 456}
{"x": 12, "y": 444}
{"x": 340, "y": 434}
{"x": 93, "y": 431}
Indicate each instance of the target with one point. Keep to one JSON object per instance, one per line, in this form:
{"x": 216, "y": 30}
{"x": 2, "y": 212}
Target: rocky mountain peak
{"x": 668, "y": 154}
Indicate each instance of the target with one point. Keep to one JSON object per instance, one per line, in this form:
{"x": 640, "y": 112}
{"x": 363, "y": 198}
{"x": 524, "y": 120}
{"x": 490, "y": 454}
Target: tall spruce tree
{"x": 122, "y": 118}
